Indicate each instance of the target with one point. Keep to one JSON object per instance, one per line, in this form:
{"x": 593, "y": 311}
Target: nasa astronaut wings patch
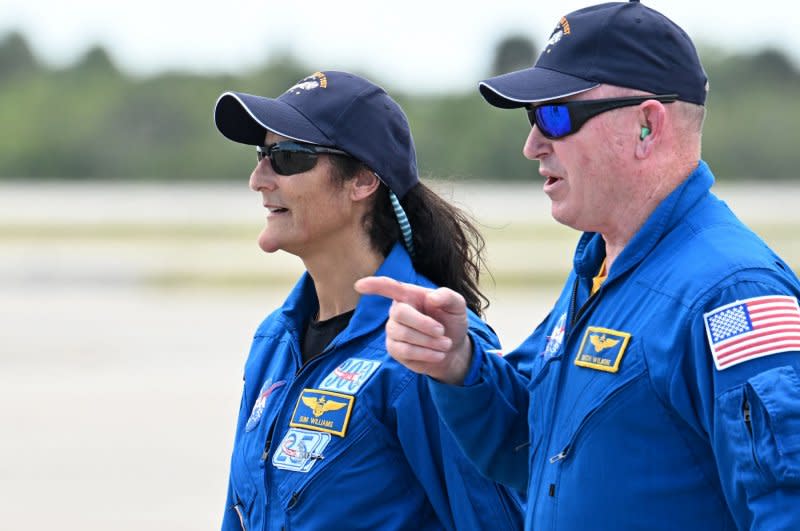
{"x": 752, "y": 328}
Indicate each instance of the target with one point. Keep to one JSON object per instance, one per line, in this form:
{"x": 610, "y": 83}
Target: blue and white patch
{"x": 300, "y": 449}
{"x": 261, "y": 402}
{"x": 350, "y": 376}
{"x": 556, "y": 337}
{"x": 314, "y": 81}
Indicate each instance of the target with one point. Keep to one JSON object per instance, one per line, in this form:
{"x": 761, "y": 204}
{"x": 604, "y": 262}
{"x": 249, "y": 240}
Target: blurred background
{"x": 130, "y": 277}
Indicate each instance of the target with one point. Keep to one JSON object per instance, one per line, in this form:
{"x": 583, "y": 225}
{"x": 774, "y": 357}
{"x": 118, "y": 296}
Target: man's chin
{"x": 562, "y": 217}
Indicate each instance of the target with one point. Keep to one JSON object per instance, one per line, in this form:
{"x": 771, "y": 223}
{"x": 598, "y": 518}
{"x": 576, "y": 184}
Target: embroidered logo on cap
{"x": 315, "y": 80}
{"x": 561, "y": 29}
{"x": 350, "y": 375}
{"x": 261, "y": 402}
{"x": 602, "y": 349}
{"x": 300, "y": 449}
{"x": 323, "y": 411}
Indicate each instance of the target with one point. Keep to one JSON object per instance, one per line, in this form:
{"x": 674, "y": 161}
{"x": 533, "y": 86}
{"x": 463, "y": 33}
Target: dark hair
{"x": 448, "y": 247}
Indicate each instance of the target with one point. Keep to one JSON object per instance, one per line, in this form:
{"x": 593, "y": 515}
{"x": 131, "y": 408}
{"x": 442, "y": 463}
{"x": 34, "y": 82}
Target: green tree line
{"x": 92, "y": 121}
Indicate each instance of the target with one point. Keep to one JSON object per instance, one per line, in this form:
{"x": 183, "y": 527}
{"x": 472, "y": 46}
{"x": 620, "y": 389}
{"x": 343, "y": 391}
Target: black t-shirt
{"x": 320, "y": 333}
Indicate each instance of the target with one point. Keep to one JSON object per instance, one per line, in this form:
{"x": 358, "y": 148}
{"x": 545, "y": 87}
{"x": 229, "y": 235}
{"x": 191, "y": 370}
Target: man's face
{"x": 588, "y": 175}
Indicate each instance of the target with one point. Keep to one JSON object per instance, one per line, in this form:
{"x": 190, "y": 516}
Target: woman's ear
{"x": 363, "y": 185}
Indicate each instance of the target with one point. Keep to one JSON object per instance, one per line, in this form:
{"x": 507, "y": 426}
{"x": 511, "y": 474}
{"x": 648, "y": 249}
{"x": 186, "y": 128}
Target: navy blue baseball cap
{"x": 333, "y": 109}
{"x": 616, "y": 43}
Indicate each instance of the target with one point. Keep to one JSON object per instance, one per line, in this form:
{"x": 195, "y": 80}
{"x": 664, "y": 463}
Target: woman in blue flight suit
{"x": 332, "y": 432}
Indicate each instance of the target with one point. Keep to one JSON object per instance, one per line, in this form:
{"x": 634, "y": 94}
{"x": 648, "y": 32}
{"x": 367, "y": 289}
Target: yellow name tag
{"x": 602, "y": 349}
{"x": 324, "y": 411}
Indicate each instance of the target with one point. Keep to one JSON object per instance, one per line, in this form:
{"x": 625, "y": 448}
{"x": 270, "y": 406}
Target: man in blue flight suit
{"x": 663, "y": 390}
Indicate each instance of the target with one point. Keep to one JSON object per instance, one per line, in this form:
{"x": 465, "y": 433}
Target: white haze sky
{"x": 415, "y": 45}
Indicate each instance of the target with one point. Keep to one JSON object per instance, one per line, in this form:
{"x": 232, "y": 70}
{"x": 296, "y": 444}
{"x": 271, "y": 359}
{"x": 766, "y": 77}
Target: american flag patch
{"x": 752, "y": 328}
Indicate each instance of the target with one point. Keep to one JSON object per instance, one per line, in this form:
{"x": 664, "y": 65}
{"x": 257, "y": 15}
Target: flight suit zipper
{"x": 573, "y": 301}
{"x": 567, "y": 448}
{"x": 572, "y": 319}
{"x": 746, "y": 416}
{"x": 268, "y": 443}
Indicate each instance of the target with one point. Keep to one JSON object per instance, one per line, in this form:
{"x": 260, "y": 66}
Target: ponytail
{"x": 447, "y": 248}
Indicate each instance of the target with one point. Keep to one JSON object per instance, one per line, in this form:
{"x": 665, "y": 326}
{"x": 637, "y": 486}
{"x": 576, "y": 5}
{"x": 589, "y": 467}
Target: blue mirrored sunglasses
{"x": 557, "y": 120}
{"x": 290, "y": 157}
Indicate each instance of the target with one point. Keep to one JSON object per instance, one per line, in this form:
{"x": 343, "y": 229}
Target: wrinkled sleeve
{"x": 750, "y": 410}
{"x": 489, "y": 419}
{"x": 462, "y": 497}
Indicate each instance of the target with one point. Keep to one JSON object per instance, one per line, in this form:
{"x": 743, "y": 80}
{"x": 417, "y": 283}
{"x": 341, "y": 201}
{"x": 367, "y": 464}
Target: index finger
{"x": 392, "y": 289}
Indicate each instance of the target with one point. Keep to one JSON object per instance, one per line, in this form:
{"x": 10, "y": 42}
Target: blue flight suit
{"x": 670, "y": 399}
{"x": 352, "y": 439}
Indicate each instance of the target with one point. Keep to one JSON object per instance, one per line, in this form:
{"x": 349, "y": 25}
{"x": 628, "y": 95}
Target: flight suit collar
{"x": 371, "y": 311}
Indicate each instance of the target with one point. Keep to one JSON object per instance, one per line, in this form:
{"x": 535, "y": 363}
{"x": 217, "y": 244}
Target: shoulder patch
{"x": 602, "y": 349}
{"x": 752, "y": 328}
{"x": 324, "y": 411}
{"x": 300, "y": 449}
{"x": 350, "y": 375}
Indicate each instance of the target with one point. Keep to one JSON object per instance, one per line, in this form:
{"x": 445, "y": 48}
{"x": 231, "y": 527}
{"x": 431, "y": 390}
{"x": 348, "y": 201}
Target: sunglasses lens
{"x": 553, "y": 120}
{"x": 291, "y": 162}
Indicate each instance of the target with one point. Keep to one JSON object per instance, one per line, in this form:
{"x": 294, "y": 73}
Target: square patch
{"x": 602, "y": 349}
{"x": 324, "y": 411}
{"x": 300, "y": 449}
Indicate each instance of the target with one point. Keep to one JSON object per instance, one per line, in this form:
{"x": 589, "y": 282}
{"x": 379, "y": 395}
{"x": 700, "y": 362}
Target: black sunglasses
{"x": 557, "y": 120}
{"x": 290, "y": 157}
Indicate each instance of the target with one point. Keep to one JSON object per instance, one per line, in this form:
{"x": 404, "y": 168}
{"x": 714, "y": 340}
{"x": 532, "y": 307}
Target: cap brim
{"x": 246, "y": 118}
{"x": 531, "y": 85}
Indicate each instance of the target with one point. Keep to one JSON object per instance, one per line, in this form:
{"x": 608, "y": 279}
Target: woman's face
{"x": 308, "y": 213}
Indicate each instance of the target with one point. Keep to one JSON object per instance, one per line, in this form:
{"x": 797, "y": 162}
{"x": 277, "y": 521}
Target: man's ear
{"x": 650, "y": 127}
{"x": 363, "y": 185}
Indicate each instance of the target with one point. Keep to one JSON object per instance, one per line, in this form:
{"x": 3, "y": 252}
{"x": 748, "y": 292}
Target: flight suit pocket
{"x": 604, "y": 404}
{"x": 243, "y": 488}
{"x": 773, "y": 400}
{"x": 242, "y": 514}
{"x": 308, "y": 497}
{"x": 599, "y": 436}
{"x": 242, "y": 507}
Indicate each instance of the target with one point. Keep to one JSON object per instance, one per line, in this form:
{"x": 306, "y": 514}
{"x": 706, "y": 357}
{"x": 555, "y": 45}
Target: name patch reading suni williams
{"x": 602, "y": 349}
{"x": 324, "y": 411}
